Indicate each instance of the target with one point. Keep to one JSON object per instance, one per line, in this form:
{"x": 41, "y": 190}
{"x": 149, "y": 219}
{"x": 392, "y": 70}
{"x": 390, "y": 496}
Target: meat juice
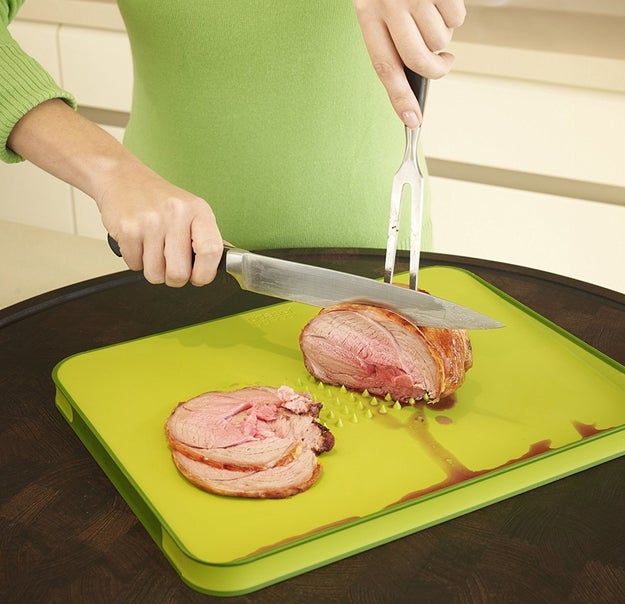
{"x": 455, "y": 471}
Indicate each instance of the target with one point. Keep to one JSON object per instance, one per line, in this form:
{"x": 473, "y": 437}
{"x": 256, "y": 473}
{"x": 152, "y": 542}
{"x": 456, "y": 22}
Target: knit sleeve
{"x": 24, "y": 83}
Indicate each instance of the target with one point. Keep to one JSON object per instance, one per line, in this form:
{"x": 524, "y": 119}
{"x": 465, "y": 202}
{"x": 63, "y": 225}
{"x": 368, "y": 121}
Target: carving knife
{"x": 324, "y": 287}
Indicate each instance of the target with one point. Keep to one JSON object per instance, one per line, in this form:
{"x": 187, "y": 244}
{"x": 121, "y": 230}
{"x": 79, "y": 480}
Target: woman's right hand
{"x": 158, "y": 225}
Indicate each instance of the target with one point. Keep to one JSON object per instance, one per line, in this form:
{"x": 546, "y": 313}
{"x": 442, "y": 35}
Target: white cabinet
{"x": 97, "y": 67}
{"x": 580, "y": 239}
{"x": 500, "y": 130}
{"x": 531, "y": 127}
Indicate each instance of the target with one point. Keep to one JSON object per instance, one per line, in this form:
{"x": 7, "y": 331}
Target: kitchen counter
{"x": 571, "y": 43}
{"x": 37, "y": 260}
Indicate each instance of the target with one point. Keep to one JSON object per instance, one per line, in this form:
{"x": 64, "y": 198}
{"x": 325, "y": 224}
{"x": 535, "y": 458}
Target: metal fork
{"x": 409, "y": 174}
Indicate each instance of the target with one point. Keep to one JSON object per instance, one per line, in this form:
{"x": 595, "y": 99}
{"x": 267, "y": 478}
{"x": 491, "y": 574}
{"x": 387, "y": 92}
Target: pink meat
{"x": 278, "y": 482}
{"x": 367, "y": 347}
{"x": 250, "y": 430}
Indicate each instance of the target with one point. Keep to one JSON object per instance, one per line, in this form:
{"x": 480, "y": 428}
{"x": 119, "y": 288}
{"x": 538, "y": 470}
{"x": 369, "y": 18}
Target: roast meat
{"x": 252, "y": 442}
{"x": 360, "y": 346}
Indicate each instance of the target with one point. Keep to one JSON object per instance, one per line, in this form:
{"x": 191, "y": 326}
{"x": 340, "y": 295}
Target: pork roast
{"x": 368, "y": 347}
{"x": 252, "y": 442}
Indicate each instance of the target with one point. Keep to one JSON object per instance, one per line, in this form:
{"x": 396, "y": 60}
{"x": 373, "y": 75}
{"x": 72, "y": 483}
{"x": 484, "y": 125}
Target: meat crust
{"x": 252, "y": 442}
{"x": 361, "y": 346}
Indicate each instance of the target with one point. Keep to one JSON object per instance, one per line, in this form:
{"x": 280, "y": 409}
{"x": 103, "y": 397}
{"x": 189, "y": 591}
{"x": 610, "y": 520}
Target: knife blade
{"x": 324, "y": 287}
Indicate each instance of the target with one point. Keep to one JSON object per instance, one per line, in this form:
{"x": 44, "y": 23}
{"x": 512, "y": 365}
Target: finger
{"x": 208, "y": 247}
{"x": 433, "y": 29}
{"x": 413, "y": 50}
{"x": 389, "y": 68}
{"x": 131, "y": 250}
{"x": 178, "y": 253}
{"x": 154, "y": 258}
{"x": 453, "y": 12}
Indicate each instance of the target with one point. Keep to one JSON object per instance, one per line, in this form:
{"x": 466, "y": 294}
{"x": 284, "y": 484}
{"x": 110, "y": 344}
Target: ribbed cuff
{"x": 24, "y": 84}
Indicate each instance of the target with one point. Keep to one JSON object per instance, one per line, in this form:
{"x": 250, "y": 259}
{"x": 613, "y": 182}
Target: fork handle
{"x": 419, "y": 86}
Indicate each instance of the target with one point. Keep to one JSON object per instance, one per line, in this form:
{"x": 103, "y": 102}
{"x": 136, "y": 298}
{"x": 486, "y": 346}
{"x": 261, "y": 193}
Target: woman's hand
{"x": 157, "y": 225}
{"x": 411, "y": 33}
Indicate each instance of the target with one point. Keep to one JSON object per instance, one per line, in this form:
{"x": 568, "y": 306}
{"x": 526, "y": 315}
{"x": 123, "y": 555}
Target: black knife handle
{"x": 115, "y": 247}
{"x": 419, "y": 86}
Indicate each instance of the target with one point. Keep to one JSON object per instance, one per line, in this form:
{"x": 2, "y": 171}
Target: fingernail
{"x": 410, "y": 119}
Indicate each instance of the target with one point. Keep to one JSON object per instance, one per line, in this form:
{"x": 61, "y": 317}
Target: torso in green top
{"x": 270, "y": 110}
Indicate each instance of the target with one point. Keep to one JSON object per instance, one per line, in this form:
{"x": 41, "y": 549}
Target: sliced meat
{"x": 248, "y": 432}
{"x": 360, "y": 346}
{"x": 281, "y": 481}
{"x": 253, "y": 455}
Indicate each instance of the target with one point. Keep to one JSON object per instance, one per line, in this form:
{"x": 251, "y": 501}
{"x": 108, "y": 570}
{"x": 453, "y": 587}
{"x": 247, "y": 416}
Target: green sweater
{"x": 269, "y": 110}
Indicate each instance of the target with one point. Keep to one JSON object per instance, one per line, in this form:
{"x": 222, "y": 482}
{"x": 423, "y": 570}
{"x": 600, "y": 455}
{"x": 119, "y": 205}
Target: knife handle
{"x": 419, "y": 86}
{"x": 115, "y": 247}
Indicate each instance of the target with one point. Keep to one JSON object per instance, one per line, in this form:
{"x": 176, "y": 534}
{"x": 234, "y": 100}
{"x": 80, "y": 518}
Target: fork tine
{"x": 408, "y": 174}
{"x": 416, "y": 221}
{"x": 393, "y": 228}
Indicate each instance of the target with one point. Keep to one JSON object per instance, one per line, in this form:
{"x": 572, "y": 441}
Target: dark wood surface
{"x": 66, "y": 535}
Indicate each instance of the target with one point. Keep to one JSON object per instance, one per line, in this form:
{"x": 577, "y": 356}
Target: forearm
{"x": 62, "y": 142}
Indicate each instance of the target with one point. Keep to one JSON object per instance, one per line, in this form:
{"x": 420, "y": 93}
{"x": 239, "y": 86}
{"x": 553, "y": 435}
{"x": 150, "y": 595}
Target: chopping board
{"x": 537, "y": 405}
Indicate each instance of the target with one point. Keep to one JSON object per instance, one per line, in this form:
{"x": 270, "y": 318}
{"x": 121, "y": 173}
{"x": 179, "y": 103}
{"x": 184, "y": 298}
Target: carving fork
{"x": 409, "y": 174}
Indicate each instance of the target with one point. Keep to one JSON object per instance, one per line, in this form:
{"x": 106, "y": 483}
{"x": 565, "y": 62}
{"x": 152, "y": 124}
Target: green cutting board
{"x": 537, "y": 405}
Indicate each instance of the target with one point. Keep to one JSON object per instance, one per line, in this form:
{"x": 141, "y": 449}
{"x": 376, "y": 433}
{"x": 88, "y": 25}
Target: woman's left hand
{"x": 411, "y": 33}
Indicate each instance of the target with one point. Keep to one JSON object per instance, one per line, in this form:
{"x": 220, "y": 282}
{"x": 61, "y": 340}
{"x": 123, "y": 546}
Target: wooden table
{"x": 66, "y": 535}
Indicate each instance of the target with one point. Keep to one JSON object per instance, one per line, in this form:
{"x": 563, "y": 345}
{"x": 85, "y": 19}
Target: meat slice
{"x": 276, "y": 483}
{"x": 360, "y": 346}
{"x": 253, "y": 455}
{"x": 220, "y": 437}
